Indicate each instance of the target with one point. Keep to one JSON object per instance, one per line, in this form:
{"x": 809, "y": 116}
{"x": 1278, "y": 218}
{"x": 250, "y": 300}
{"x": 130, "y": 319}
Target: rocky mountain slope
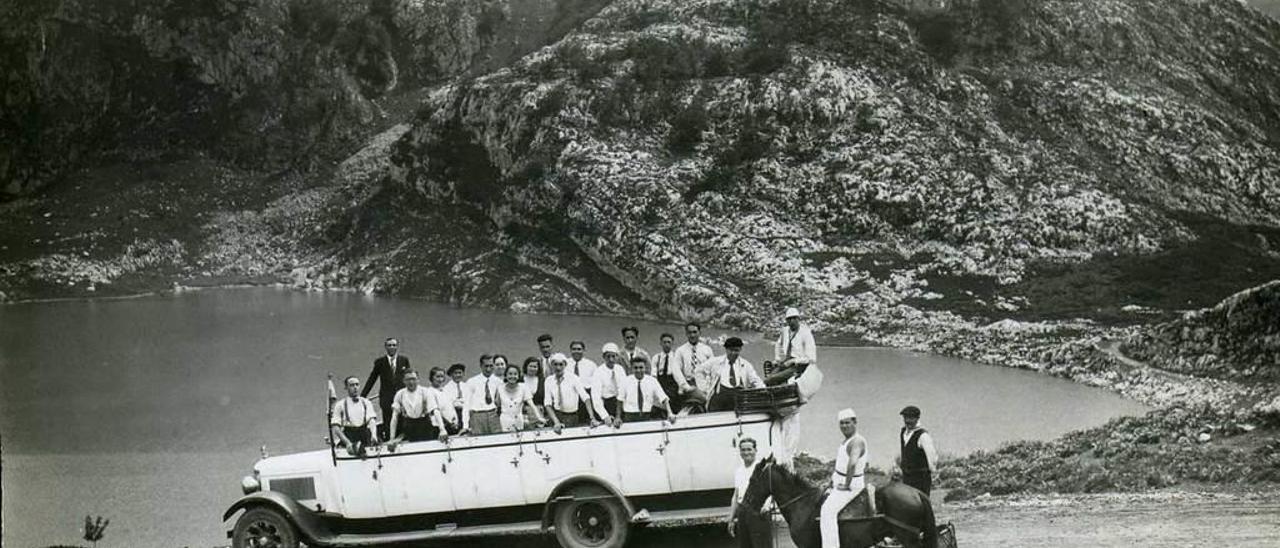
{"x": 721, "y": 158}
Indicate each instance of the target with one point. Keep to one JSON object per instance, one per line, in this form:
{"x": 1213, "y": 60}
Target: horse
{"x": 903, "y": 508}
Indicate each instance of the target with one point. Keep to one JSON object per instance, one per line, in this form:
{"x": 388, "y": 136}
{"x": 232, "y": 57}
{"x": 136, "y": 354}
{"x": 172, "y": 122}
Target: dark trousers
{"x": 920, "y": 480}
{"x": 753, "y": 530}
{"x": 668, "y": 384}
{"x": 584, "y": 416}
{"x": 723, "y": 400}
{"x": 384, "y": 427}
{"x": 358, "y": 435}
{"x": 452, "y": 428}
{"x": 570, "y": 419}
{"x": 417, "y": 429}
{"x": 610, "y": 405}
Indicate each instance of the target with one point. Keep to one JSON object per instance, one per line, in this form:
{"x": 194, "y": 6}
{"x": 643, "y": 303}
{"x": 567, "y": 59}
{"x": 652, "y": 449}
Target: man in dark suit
{"x": 389, "y": 372}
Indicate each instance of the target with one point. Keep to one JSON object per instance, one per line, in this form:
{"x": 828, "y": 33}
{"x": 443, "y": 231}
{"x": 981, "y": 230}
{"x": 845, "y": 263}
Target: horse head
{"x": 760, "y": 486}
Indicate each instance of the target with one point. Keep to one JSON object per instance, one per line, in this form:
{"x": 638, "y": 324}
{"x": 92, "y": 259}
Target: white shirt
{"x": 563, "y": 395}
{"x": 742, "y": 478}
{"x": 689, "y": 366}
{"x": 585, "y": 369}
{"x": 624, "y": 356}
{"x": 803, "y": 349}
{"x": 476, "y": 390}
{"x": 349, "y": 413}
{"x": 651, "y": 394}
{"x": 414, "y": 404}
{"x": 842, "y": 460}
{"x": 926, "y": 445}
{"x": 661, "y": 360}
{"x": 605, "y": 385}
{"x": 443, "y": 401}
{"x": 744, "y": 373}
{"x": 456, "y": 393}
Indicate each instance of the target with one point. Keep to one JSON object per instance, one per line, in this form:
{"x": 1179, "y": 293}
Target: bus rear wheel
{"x": 264, "y": 528}
{"x": 598, "y": 521}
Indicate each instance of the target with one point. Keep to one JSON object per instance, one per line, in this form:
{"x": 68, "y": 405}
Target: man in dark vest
{"x": 917, "y": 457}
{"x": 388, "y": 372}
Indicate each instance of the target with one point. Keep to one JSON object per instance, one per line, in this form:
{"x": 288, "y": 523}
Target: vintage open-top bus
{"x": 587, "y": 484}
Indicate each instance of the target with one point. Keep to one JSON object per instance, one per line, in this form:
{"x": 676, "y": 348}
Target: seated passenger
{"x": 514, "y": 398}
{"x": 729, "y": 374}
{"x": 640, "y": 397}
{"x": 413, "y": 412}
{"x": 354, "y": 420}
{"x": 446, "y": 419}
{"x": 604, "y": 385}
{"x": 566, "y": 397}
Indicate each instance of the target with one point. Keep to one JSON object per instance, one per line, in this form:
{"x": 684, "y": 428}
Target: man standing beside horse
{"x": 917, "y": 457}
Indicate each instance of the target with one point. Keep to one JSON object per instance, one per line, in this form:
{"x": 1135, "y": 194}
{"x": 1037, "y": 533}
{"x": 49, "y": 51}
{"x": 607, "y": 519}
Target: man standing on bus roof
{"x": 631, "y": 335}
{"x": 917, "y": 456}
{"x": 565, "y": 396}
{"x": 753, "y": 529}
{"x": 413, "y": 412}
{"x": 482, "y": 400}
{"x": 689, "y": 367}
{"x": 640, "y": 397}
{"x": 585, "y": 369}
{"x": 730, "y": 373}
{"x": 604, "y": 385}
{"x": 847, "y": 480}
{"x": 354, "y": 419}
{"x": 388, "y": 373}
{"x": 795, "y": 348}
{"x": 660, "y": 365}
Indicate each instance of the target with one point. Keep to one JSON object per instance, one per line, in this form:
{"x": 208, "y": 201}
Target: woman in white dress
{"x": 514, "y": 399}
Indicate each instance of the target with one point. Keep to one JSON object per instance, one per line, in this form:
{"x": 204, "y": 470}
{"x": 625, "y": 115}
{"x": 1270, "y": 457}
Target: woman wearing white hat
{"x": 847, "y": 480}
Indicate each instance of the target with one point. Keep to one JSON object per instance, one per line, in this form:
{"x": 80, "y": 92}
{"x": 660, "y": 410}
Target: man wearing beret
{"x": 917, "y": 457}
{"x": 729, "y": 374}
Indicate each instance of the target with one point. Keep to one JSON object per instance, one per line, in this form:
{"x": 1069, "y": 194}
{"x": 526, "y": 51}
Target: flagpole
{"x": 328, "y": 419}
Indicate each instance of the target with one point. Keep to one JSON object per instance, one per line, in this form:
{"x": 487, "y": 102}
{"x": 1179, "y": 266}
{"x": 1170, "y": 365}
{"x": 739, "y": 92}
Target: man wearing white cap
{"x": 604, "y": 384}
{"x": 795, "y": 346}
{"x": 565, "y": 396}
{"x": 847, "y": 480}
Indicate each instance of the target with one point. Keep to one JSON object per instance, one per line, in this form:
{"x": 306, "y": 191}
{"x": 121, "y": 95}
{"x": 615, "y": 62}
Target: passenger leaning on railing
{"x": 640, "y": 397}
{"x": 414, "y": 416}
{"x": 446, "y": 418}
{"x": 585, "y": 369}
{"x": 604, "y": 383}
{"x": 729, "y": 374}
{"x": 566, "y": 397}
{"x": 354, "y": 419}
{"x": 482, "y": 400}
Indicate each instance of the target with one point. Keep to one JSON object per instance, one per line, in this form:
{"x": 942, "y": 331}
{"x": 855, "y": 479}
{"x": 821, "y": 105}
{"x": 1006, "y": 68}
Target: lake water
{"x": 148, "y": 411}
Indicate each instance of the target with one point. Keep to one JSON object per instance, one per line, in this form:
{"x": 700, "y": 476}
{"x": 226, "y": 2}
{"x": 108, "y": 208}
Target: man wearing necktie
{"x": 640, "y": 397}
{"x": 585, "y": 369}
{"x": 456, "y": 390}
{"x": 794, "y": 351}
{"x": 630, "y": 336}
{"x": 388, "y": 372}
{"x": 689, "y": 367}
{"x": 482, "y": 408}
{"x": 731, "y": 373}
{"x": 661, "y": 367}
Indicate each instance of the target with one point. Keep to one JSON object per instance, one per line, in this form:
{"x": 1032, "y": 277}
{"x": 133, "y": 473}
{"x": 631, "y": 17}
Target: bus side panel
{"x": 361, "y": 492}
{"x": 715, "y": 456}
{"x": 642, "y": 467}
{"x": 416, "y": 484}
{"x": 486, "y": 477}
{"x": 565, "y": 459}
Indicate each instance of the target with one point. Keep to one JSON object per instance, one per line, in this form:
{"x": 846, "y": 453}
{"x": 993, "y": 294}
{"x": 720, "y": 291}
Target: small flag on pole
{"x": 333, "y": 394}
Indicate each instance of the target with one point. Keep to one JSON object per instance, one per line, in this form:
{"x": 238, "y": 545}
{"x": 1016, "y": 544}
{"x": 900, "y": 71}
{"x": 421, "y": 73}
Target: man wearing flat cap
{"x": 794, "y": 349}
{"x": 729, "y": 374}
{"x": 916, "y": 457}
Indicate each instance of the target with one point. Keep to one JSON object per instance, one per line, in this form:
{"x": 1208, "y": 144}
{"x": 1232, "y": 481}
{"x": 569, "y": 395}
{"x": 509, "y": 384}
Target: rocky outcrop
{"x": 721, "y": 158}
{"x": 1239, "y": 338}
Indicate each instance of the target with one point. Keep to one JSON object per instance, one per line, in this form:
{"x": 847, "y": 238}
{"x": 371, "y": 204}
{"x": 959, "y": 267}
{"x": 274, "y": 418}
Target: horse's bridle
{"x": 793, "y": 500}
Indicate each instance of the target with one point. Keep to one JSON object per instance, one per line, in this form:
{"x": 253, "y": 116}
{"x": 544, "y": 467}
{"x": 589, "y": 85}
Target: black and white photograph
{"x": 639, "y": 273}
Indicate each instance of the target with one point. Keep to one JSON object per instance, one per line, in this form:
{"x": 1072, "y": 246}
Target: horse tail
{"x": 928, "y": 523}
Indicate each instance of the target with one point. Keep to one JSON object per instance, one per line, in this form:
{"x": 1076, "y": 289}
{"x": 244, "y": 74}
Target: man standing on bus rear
{"x": 730, "y": 373}
{"x": 630, "y": 336}
{"x": 640, "y": 397}
{"x": 354, "y": 420}
{"x": 388, "y": 372}
{"x": 545, "y": 349}
{"x": 916, "y": 457}
{"x": 794, "y": 350}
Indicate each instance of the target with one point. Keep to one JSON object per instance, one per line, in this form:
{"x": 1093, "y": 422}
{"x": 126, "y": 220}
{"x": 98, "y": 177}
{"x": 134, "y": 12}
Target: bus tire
{"x": 263, "y": 527}
{"x": 599, "y": 520}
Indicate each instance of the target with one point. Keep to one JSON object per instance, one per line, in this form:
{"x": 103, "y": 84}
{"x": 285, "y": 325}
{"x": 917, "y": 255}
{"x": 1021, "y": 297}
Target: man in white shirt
{"x": 414, "y": 416}
{"x": 730, "y": 373}
{"x": 585, "y": 369}
{"x": 689, "y": 369}
{"x": 753, "y": 529}
{"x": 660, "y": 366}
{"x": 565, "y": 396}
{"x": 630, "y": 336}
{"x": 794, "y": 349}
{"x": 354, "y": 420}
{"x": 482, "y": 400}
{"x": 917, "y": 457}
{"x": 604, "y": 385}
{"x": 640, "y": 397}
{"x": 456, "y": 391}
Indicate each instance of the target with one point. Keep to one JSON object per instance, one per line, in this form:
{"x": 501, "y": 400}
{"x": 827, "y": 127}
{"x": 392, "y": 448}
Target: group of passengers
{"x": 552, "y": 389}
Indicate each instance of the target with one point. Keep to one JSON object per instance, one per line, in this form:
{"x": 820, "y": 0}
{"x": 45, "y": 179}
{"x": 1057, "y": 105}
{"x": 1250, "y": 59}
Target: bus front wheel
{"x": 264, "y": 528}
